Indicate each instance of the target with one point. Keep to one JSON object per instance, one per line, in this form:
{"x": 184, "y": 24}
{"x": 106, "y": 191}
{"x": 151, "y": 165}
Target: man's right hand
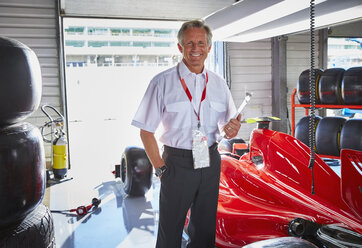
{"x": 151, "y": 148}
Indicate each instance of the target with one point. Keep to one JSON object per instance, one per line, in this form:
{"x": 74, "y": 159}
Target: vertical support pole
{"x": 322, "y": 58}
{"x": 279, "y": 83}
{"x": 293, "y": 111}
{"x": 226, "y": 60}
{"x": 63, "y": 89}
{"x": 220, "y": 55}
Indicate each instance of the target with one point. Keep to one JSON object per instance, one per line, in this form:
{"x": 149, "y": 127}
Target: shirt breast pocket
{"x": 178, "y": 114}
{"x": 217, "y": 111}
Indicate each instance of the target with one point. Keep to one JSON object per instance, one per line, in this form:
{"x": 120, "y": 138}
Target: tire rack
{"x": 307, "y": 106}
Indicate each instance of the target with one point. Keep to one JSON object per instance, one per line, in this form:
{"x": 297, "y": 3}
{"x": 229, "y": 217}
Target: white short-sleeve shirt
{"x": 165, "y": 102}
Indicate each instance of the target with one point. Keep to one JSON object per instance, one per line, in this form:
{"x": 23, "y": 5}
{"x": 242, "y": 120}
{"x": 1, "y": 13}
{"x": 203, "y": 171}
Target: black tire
{"x": 352, "y": 86}
{"x": 36, "y": 230}
{"x": 302, "y": 128}
{"x": 303, "y": 91}
{"x": 21, "y": 81}
{"x": 283, "y": 242}
{"x": 22, "y": 171}
{"x": 351, "y": 135}
{"x": 338, "y": 236}
{"x": 328, "y": 135}
{"x": 330, "y": 86}
{"x": 136, "y": 171}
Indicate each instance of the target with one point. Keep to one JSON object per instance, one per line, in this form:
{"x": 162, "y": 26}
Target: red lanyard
{"x": 203, "y": 96}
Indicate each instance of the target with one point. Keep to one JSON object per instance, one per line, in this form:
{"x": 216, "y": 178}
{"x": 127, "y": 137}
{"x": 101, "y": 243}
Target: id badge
{"x": 200, "y": 149}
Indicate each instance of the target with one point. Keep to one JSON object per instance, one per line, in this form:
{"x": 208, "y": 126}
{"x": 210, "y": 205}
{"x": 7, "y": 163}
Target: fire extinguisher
{"x": 60, "y": 160}
{"x": 56, "y": 136}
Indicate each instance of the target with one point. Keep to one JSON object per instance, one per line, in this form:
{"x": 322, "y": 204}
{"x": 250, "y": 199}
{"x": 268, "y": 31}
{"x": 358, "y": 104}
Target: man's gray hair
{"x": 194, "y": 24}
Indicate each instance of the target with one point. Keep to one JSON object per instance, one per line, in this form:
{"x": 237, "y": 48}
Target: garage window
{"x": 344, "y": 52}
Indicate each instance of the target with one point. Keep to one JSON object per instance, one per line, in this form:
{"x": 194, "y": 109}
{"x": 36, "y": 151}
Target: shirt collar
{"x": 184, "y": 70}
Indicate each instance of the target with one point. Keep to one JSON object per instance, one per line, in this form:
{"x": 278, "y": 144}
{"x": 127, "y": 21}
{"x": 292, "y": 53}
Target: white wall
{"x": 251, "y": 71}
{"x": 298, "y": 60}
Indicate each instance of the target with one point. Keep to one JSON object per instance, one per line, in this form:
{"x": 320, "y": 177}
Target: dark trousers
{"x": 184, "y": 188}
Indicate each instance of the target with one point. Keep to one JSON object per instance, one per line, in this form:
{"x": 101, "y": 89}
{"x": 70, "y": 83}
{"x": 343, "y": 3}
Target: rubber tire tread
{"x": 282, "y": 242}
{"x": 302, "y": 128}
{"x": 35, "y": 230}
{"x": 21, "y": 81}
{"x": 22, "y": 171}
{"x": 352, "y": 87}
{"x": 303, "y": 91}
{"x": 136, "y": 171}
{"x": 330, "y": 86}
{"x": 328, "y": 135}
{"x": 351, "y": 135}
{"x": 336, "y": 236}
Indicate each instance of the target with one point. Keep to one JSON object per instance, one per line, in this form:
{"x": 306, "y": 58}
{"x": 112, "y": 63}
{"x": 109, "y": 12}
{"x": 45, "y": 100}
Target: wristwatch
{"x": 160, "y": 170}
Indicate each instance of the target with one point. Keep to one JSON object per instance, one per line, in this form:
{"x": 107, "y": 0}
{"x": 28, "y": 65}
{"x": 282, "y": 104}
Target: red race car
{"x": 270, "y": 193}
{"x": 267, "y": 193}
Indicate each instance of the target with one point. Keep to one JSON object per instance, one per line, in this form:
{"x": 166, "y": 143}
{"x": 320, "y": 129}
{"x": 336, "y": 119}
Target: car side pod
{"x": 351, "y": 180}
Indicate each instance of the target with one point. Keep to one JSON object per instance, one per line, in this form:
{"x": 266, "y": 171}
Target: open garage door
{"x": 156, "y": 9}
{"x": 109, "y": 64}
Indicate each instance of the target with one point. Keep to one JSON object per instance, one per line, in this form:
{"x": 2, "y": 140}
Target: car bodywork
{"x": 267, "y": 193}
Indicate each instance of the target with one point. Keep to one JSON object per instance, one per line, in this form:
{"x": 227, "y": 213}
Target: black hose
{"x": 312, "y": 88}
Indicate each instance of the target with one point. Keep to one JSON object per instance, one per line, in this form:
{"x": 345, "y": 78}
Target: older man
{"x": 193, "y": 105}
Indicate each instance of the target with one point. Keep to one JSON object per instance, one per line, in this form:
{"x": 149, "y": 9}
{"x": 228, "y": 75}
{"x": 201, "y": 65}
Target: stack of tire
{"x": 24, "y": 221}
{"x": 332, "y": 134}
{"x": 333, "y": 87}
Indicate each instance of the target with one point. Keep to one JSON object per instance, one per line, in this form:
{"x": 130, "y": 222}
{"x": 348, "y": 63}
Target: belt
{"x": 185, "y": 152}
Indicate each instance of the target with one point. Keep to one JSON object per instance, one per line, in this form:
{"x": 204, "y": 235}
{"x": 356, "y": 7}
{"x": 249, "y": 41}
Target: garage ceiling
{"x": 142, "y": 9}
{"x": 231, "y": 20}
{"x": 250, "y": 20}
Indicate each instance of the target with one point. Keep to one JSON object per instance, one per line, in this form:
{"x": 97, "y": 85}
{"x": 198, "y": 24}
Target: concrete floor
{"x": 120, "y": 221}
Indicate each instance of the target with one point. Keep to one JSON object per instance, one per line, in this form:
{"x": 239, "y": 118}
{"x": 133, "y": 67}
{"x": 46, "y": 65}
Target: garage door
{"x": 156, "y": 9}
